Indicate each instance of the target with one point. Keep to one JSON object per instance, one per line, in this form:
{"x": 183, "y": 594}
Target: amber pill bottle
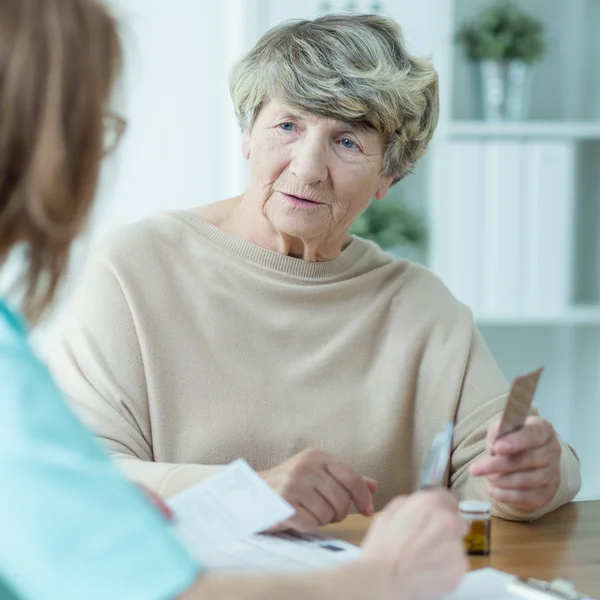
{"x": 478, "y": 516}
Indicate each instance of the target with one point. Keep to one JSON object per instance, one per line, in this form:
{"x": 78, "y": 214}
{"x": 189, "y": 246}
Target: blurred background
{"x": 505, "y": 208}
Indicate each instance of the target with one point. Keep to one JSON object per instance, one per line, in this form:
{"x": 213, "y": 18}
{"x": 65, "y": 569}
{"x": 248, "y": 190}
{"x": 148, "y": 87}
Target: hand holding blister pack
{"x": 518, "y": 403}
{"x": 477, "y": 512}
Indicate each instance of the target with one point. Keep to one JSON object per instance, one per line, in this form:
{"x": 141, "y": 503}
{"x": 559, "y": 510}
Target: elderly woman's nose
{"x": 309, "y": 163}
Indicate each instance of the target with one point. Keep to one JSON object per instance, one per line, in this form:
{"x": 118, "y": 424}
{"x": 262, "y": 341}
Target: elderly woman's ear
{"x": 384, "y": 188}
{"x": 246, "y": 145}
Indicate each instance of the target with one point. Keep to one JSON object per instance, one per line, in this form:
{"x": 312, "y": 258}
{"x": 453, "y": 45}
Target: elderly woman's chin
{"x": 299, "y": 218}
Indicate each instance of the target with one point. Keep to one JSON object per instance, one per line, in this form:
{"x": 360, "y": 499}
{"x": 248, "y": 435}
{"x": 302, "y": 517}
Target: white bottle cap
{"x": 479, "y": 507}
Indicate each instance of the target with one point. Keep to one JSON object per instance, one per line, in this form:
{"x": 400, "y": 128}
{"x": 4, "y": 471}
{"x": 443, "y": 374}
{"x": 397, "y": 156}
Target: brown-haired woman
{"x": 72, "y": 526}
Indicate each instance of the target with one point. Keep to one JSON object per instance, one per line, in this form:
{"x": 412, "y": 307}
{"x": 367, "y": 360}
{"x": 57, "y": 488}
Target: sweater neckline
{"x": 288, "y": 266}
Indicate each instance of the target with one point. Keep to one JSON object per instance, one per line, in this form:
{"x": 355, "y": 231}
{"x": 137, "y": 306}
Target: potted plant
{"x": 395, "y": 227}
{"x": 503, "y": 43}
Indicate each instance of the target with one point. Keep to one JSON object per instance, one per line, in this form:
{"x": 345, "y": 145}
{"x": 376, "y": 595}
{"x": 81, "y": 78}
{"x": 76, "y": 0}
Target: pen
{"x": 438, "y": 458}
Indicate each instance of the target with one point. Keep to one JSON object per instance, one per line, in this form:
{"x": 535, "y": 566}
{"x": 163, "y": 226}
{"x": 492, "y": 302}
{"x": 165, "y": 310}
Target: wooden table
{"x": 565, "y": 543}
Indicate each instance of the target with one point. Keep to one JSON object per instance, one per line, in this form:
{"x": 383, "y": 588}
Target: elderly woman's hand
{"x": 418, "y": 539}
{"x": 320, "y": 488}
{"x": 522, "y": 468}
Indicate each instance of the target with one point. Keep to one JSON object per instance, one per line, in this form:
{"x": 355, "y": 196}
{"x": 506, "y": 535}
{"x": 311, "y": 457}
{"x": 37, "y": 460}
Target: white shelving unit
{"x": 573, "y": 130}
{"x": 514, "y": 208}
{"x": 580, "y": 316}
{"x": 515, "y": 215}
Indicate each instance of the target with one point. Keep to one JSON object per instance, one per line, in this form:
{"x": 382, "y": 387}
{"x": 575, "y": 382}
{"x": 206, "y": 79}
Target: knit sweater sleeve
{"x": 481, "y": 402}
{"x": 100, "y": 369}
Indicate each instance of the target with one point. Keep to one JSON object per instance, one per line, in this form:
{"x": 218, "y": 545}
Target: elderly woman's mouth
{"x": 301, "y": 203}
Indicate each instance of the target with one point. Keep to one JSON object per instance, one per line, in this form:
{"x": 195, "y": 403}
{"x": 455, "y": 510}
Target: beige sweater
{"x": 185, "y": 348}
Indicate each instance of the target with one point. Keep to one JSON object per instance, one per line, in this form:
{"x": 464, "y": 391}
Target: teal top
{"x": 71, "y": 526}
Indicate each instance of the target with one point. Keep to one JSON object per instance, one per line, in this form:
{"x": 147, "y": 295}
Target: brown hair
{"x": 58, "y": 62}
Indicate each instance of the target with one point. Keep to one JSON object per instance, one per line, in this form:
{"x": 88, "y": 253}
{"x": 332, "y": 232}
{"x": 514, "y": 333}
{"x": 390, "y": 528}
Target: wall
{"x": 182, "y": 144}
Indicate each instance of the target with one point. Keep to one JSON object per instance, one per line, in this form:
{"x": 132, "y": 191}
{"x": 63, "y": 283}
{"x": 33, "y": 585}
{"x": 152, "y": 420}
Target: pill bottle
{"x": 478, "y": 515}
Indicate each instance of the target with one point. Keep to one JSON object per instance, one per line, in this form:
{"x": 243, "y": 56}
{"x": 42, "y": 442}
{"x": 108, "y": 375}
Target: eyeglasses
{"x": 114, "y": 128}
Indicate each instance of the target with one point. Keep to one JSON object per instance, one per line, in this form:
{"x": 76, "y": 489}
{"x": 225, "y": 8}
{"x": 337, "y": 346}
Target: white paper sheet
{"x": 494, "y": 585}
{"x": 282, "y": 552}
{"x": 484, "y": 583}
{"x": 224, "y": 509}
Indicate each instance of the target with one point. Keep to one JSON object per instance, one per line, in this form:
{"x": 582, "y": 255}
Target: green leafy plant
{"x": 390, "y": 223}
{"x": 503, "y": 32}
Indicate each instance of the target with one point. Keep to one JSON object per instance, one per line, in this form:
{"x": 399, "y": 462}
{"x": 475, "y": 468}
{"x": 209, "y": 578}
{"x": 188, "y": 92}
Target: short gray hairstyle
{"x": 354, "y": 68}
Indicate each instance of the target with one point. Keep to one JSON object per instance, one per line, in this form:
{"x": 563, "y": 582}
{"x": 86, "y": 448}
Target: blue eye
{"x": 287, "y": 126}
{"x": 348, "y": 143}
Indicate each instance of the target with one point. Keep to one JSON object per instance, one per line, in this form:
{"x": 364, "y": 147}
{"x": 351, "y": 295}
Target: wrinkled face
{"x": 311, "y": 175}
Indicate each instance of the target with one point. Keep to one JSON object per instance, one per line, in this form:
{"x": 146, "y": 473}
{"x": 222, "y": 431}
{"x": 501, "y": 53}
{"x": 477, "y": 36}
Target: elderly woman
{"x": 258, "y": 327}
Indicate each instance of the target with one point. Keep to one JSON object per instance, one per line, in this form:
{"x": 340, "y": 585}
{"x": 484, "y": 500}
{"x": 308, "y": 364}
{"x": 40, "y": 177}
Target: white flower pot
{"x": 503, "y": 89}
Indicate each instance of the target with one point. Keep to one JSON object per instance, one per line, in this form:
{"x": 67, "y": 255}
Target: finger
{"x": 436, "y": 509}
{"x": 335, "y": 494}
{"x": 492, "y": 435}
{"x": 303, "y": 521}
{"x": 512, "y": 463}
{"x": 357, "y": 488}
{"x": 453, "y": 564}
{"x": 440, "y": 497}
{"x": 371, "y": 484}
{"x": 524, "y": 480}
{"x": 527, "y": 500}
{"x": 443, "y": 516}
{"x": 318, "y": 506}
{"x": 393, "y": 507}
{"x": 535, "y": 433}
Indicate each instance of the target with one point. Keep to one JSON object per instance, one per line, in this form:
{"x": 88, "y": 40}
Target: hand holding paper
{"x": 224, "y": 509}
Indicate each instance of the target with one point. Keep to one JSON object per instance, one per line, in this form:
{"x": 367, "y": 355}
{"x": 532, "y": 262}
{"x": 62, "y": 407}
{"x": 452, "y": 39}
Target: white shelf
{"x": 585, "y": 315}
{"x": 582, "y": 130}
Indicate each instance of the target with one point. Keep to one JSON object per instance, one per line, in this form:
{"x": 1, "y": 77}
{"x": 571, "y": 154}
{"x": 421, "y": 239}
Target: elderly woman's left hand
{"x": 523, "y": 468}
{"x": 321, "y": 488}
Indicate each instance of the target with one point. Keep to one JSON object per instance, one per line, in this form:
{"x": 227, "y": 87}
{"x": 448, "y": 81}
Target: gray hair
{"x": 353, "y": 68}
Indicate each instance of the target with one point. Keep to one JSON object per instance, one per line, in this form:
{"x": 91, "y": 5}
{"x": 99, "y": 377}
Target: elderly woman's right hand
{"x": 320, "y": 488}
{"x": 417, "y": 541}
